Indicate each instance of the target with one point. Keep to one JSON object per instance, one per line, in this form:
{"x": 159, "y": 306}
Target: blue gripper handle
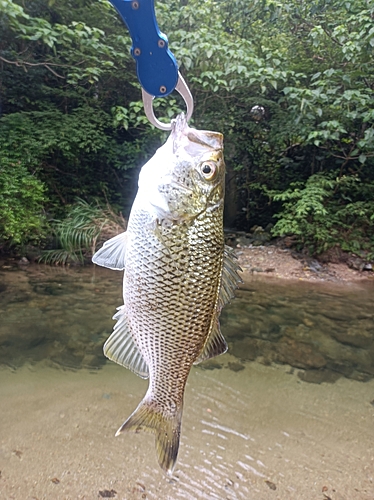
{"x": 156, "y": 66}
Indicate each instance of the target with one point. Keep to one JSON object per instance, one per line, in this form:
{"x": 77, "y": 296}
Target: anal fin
{"x": 121, "y": 348}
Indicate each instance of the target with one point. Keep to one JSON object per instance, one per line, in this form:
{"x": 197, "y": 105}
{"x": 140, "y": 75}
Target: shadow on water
{"x": 62, "y": 317}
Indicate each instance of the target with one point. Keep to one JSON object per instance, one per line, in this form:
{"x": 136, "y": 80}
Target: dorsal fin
{"x": 214, "y": 346}
{"x": 230, "y": 279}
{"x": 121, "y": 348}
{"x": 113, "y": 253}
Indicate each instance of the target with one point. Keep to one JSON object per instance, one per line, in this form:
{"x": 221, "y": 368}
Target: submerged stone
{"x": 319, "y": 376}
{"x": 235, "y": 367}
{"x": 299, "y": 354}
{"x": 356, "y": 336}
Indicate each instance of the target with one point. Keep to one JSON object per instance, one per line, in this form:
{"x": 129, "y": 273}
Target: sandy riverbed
{"x": 260, "y": 433}
{"x": 257, "y": 434}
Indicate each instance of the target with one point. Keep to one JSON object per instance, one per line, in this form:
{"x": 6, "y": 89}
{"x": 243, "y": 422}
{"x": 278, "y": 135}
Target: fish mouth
{"x": 206, "y": 138}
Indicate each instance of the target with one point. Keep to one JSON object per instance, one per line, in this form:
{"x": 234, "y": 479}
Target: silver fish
{"x": 178, "y": 275}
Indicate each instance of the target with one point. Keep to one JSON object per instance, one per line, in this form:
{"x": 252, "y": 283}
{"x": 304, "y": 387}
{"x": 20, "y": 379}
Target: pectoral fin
{"x": 113, "y": 253}
{"x": 121, "y": 348}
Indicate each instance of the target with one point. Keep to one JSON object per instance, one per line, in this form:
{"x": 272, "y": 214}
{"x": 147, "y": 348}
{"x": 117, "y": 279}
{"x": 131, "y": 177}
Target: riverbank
{"x": 272, "y": 260}
{"x": 284, "y": 263}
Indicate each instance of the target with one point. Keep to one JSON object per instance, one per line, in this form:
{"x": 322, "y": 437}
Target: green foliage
{"x": 289, "y": 84}
{"x": 79, "y": 233}
{"x": 327, "y": 211}
{"x": 21, "y": 204}
{"x": 307, "y": 158}
{"x": 22, "y": 197}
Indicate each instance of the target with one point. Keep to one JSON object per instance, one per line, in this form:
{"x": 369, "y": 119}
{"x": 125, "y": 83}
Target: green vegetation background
{"x": 290, "y": 83}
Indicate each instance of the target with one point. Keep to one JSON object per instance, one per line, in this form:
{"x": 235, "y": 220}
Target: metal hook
{"x": 183, "y": 90}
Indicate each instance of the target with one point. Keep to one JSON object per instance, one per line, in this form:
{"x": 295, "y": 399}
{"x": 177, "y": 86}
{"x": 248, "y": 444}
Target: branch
{"x": 53, "y": 167}
{"x": 54, "y": 72}
{"x": 25, "y": 63}
{"x": 331, "y": 37}
{"x": 47, "y": 65}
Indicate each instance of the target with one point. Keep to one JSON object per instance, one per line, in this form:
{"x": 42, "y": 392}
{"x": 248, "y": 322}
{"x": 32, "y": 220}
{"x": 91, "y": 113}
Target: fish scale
{"x": 177, "y": 277}
{"x": 176, "y": 311}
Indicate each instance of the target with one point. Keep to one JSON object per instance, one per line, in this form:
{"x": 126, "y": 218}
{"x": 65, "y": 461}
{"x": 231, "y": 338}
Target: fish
{"x": 178, "y": 275}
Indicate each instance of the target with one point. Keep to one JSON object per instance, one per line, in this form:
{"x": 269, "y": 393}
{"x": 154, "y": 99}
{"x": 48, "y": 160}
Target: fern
{"x": 80, "y": 233}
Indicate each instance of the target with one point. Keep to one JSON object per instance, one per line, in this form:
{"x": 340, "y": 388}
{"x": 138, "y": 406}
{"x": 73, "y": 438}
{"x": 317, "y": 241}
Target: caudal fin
{"x": 148, "y": 417}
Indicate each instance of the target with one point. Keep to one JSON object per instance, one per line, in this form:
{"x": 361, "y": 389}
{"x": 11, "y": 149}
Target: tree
{"x": 61, "y": 77}
{"x": 308, "y": 68}
{"x": 290, "y": 84}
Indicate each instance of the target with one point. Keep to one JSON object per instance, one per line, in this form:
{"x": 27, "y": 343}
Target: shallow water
{"x": 254, "y": 426}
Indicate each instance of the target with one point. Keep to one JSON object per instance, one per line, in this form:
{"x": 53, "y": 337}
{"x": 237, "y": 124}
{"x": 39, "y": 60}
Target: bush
{"x": 21, "y": 204}
{"x": 327, "y": 211}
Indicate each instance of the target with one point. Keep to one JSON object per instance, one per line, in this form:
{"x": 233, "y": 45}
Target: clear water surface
{"x": 288, "y": 413}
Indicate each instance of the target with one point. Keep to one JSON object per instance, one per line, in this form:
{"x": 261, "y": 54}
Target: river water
{"x": 287, "y": 413}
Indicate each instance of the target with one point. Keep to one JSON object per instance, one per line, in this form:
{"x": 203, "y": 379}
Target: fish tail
{"x": 149, "y": 417}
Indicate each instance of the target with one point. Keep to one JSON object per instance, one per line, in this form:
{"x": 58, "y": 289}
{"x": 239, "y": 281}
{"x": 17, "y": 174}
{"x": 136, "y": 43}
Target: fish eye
{"x": 208, "y": 169}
